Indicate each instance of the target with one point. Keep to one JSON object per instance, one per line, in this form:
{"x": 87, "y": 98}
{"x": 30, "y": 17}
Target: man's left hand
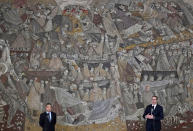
{"x": 149, "y": 116}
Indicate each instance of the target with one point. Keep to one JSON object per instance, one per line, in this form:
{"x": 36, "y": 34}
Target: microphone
{"x": 152, "y": 108}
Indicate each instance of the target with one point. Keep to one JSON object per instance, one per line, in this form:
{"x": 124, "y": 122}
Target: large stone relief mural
{"x": 95, "y": 61}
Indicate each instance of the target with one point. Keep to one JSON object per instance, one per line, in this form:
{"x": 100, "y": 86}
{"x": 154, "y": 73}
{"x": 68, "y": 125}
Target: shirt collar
{"x": 154, "y": 105}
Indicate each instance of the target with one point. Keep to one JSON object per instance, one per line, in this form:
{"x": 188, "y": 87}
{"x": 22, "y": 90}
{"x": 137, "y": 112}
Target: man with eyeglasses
{"x": 153, "y": 115}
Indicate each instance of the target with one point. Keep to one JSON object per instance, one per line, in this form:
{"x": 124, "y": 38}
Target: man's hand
{"x": 149, "y": 116}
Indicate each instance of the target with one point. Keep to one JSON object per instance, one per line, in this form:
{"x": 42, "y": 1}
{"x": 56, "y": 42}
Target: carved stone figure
{"x": 86, "y": 96}
{"x": 86, "y": 71}
{"x": 56, "y": 63}
{"x": 147, "y": 95}
{"x": 33, "y": 99}
{"x": 96, "y": 93}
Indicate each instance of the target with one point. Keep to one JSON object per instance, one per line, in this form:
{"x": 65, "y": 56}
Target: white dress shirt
{"x": 50, "y": 115}
{"x": 154, "y": 106}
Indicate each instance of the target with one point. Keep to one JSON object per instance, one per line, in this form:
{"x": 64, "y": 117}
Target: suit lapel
{"x": 47, "y": 116}
{"x": 156, "y": 108}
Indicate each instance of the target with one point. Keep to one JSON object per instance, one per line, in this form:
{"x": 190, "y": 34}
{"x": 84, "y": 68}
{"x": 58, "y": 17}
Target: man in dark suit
{"x": 48, "y": 119}
{"x": 153, "y": 114}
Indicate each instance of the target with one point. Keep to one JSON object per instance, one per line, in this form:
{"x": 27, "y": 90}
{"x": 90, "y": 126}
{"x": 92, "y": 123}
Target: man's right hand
{"x": 148, "y": 116}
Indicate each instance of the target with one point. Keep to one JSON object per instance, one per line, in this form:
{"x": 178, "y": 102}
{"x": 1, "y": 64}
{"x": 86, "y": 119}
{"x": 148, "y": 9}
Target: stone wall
{"x": 97, "y": 62}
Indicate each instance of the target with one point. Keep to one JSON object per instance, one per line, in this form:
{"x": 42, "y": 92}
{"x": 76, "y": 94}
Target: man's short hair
{"x": 155, "y": 97}
{"x": 48, "y": 104}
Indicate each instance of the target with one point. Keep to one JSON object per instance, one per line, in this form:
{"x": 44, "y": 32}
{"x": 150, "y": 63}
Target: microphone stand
{"x": 152, "y": 109}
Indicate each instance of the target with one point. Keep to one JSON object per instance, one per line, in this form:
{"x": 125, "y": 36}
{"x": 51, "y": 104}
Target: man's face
{"x": 48, "y": 108}
{"x": 154, "y": 100}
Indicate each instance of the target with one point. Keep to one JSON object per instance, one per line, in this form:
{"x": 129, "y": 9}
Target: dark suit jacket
{"x": 154, "y": 124}
{"x": 45, "y": 123}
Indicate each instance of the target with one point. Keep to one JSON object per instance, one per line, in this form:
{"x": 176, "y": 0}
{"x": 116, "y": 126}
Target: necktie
{"x": 50, "y": 116}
